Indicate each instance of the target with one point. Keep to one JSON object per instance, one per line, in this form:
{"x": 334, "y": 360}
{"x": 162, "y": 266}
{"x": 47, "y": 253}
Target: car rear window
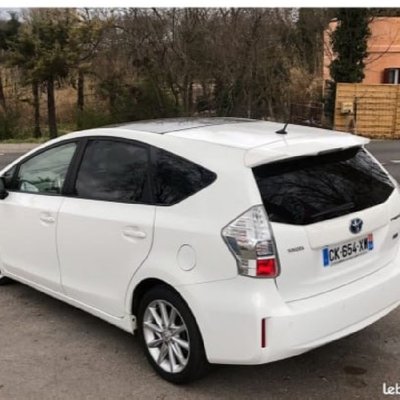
{"x": 305, "y": 190}
{"x": 175, "y": 178}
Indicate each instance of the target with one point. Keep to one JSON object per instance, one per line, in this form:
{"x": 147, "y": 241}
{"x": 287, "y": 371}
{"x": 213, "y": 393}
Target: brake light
{"x": 266, "y": 267}
{"x": 249, "y": 237}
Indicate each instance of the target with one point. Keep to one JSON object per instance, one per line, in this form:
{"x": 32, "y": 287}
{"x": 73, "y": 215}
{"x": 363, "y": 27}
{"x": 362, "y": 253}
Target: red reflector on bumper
{"x": 264, "y": 332}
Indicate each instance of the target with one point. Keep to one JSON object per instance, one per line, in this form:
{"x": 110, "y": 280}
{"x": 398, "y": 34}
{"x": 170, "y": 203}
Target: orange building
{"x": 383, "y": 62}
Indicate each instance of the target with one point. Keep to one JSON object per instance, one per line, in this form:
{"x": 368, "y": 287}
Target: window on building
{"x": 392, "y": 75}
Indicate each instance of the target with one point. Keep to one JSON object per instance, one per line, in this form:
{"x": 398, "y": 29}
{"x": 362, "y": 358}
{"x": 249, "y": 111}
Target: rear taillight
{"x": 250, "y": 239}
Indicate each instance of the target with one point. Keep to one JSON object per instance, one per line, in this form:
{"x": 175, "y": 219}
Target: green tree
{"x": 52, "y": 33}
{"x": 86, "y": 34}
{"x": 8, "y": 32}
{"x": 46, "y": 51}
{"x": 23, "y": 56}
{"x": 349, "y": 44}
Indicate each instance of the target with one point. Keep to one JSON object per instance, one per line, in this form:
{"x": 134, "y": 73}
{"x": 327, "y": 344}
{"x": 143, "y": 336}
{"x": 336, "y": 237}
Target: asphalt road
{"x": 49, "y": 350}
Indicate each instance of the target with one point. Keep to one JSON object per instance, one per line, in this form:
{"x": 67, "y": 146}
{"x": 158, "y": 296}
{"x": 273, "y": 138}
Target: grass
{"x": 26, "y": 135}
{"x": 25, "y": 140}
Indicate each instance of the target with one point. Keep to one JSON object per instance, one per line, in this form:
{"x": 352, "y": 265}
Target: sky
{"x": 4, "y": 12}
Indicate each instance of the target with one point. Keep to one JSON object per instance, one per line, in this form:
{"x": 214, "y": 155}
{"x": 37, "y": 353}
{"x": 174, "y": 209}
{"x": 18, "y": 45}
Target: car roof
{"x": 168, "y": 125}
{"x": 212, "y": 141}
{"x": 241, "y": 133}
{"x": 259, "y": 140}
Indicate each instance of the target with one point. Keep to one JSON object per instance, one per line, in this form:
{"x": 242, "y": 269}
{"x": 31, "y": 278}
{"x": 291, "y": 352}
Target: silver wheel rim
{"x": 166, "y": 336}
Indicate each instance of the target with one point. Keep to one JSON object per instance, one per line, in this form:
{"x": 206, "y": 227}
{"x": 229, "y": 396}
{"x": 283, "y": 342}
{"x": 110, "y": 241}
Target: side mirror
{"x": 3, "y": 190}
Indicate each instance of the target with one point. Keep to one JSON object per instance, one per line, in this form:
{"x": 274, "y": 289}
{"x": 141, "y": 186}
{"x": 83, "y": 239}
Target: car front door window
{"x": 46, "y": 172}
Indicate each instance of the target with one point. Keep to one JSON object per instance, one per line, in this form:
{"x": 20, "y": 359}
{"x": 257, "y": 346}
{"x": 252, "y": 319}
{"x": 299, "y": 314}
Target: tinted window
{"x": 46, "y": 172}
{"x": 176, "y": 178}
{"x": 113, "y": 171}
{"x": 316, "y": 188}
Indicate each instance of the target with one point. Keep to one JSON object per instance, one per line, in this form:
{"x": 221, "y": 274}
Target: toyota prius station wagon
{"x": 219, "y": 240}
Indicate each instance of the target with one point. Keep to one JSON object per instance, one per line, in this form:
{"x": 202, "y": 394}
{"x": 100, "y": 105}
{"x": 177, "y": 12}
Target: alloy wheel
{"x": 166, "y": 336}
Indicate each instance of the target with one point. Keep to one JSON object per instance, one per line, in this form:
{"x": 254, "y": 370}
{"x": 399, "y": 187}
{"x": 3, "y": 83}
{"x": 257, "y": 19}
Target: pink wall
{"x": 383, "y": 48}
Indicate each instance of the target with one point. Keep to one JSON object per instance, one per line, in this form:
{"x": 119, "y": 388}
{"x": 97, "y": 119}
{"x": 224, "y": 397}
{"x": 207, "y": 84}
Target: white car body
{"x": 94, "y": 254}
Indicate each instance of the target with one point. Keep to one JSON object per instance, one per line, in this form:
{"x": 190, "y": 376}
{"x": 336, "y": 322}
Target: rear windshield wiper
{"x": 343, "y": 207}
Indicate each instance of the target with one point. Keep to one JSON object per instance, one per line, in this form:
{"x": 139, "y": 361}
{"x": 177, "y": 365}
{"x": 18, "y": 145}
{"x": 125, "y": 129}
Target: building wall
{"x": 383, "y": 48}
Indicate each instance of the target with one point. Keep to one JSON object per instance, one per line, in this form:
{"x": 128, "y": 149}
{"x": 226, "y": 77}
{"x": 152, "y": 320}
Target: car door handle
{"x": 133, "y": 233}
{"x": 47, "y": 219}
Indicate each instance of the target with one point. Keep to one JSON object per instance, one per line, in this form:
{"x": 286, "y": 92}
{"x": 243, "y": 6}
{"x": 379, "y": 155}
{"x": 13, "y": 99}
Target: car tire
{"x": 170, "y": 336}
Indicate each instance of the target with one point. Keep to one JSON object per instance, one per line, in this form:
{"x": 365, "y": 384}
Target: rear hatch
{"x": 335, "y": 218}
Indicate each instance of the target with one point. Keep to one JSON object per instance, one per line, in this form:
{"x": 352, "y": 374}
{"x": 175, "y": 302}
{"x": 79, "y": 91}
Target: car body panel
{"x": 299, "y": 147}
{"x": 100, "y": 249}
{"x": 231, "y": 324}
{"x": 303, "y": 273}
{"x": 28, "y": 237}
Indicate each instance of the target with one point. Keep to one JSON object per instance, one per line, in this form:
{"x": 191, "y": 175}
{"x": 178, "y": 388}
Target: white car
{"x": 219, "y": 240}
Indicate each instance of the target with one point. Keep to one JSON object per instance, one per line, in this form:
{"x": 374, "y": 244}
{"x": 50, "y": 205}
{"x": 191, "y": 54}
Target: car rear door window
{"x": 175, "y": 178}
{"x": 113, "y": 171}
{"x": 312, "y": 189}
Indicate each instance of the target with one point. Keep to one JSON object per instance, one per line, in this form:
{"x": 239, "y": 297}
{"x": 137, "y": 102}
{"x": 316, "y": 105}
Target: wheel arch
{"x": 144, "y": 286}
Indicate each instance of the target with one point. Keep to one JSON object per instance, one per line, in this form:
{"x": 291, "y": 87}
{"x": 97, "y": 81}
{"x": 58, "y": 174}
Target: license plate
{"x": 336, "y": 254}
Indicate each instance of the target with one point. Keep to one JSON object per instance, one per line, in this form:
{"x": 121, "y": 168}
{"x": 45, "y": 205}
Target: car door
{"x": 28, "y": 216}
{"x": 105, "y": 227}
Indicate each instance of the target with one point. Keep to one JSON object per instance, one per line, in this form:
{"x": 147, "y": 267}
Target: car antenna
{"x": 283, "y": 130}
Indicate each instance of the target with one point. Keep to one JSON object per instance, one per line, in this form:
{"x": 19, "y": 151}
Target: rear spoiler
{"x": 292, "y": 148}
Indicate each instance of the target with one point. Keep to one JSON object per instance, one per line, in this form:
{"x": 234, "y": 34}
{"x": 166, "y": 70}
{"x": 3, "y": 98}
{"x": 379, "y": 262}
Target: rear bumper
{"x": 325, "y": 318}
{"x": 229, "y": 315}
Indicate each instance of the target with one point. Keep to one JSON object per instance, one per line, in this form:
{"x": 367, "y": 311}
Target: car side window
{"x": 113, "y": 171}
{"x": 175, "y": 178}
{"x": 46, "y": 172}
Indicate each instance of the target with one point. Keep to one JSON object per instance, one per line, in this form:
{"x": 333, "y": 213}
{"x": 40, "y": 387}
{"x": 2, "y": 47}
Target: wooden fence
{"x": 368, "y": 110}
